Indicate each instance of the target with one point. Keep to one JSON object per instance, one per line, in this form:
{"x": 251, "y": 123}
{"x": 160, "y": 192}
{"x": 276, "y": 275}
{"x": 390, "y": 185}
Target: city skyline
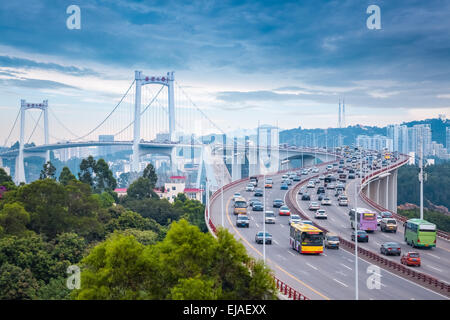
{"x": 286, "y": 69}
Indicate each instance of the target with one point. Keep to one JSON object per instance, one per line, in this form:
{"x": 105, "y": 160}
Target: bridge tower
{"x": 24, "y": 106}
{"x": 142, "y": 80}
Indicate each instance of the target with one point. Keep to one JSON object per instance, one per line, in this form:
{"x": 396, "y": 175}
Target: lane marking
{"x": 346, "y": 266}
{"x": 269, "y": 260}
{"x": 340, "y": 283}
{"x": 434, "y": 268}
{"x": 312, "y": 266}
{"x": 291, "y": 253}
{"x": 430, "y": 254}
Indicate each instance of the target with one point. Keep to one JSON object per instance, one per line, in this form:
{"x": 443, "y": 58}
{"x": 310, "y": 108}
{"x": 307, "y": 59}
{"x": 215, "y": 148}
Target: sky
{"x": 284, "y": 63}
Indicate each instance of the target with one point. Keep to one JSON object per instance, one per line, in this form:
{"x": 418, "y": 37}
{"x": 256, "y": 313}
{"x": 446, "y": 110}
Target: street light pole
{"x": 223, "y": 183}
{"x": 421, "y": 179}
{"x": 264, "y": 217}
{"x": 356, "y": 242}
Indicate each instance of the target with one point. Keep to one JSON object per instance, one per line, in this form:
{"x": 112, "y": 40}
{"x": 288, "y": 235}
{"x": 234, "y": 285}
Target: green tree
{"x": 162, "y": 211}
{"x": 4, "y": 177}
{"x": 104, "y": 179}
{"x": 66, "y": 176}
{"x": 150, "y": 173}
{"x": 124, "y": 180}
{"x": 48, "y": 171}
{"x": 56, "y": 289}
{"x": 87, "y": 171}
{"x": 14, "y": 218}
{"x": 195, "y": 289}
{"x": 140, "y": 189}
{"x": 16, "y": 283}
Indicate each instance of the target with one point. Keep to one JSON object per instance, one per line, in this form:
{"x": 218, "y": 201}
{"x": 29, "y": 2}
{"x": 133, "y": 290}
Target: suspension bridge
{"x": 155, "y": 115}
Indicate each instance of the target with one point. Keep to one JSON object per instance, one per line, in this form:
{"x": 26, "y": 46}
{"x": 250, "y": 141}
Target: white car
{"x": 269, "y": 217}
{"x": 236, "y": 195}
{"x": 294, "y": 218}
{"x": 326, "y": 201}
{"x": 313, "y": 205}
{"x": 315, "y": 170}
{"x": 321, "y": 214}
{"x": 311, "y": 184}
{"x": 250, "y": 187}
{"x": 322, "y": 177}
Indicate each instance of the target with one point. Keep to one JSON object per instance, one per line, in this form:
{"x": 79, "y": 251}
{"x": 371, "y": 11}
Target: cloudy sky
{"x": 277, "y": 62}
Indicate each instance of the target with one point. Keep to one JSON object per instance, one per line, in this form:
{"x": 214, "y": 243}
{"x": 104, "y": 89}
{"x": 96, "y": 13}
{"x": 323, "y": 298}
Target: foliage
{"x": 160, "y": 210}
{"x": 187, "y": 264}
{"x": 140, "y": 189}
{"x": 4, "y": 177}
{"x": 435, "y": 189}
{"x": 16, "y": 283}
{"x": 56, "y": 289}
{"x": 97, "y": 174}
{"x": 14, "y": 218}
{"x": 150, "y": 173}
{"x": 66, "y": 176}
{"x": 48, "y": 171}
{"x": 193, "y": 211}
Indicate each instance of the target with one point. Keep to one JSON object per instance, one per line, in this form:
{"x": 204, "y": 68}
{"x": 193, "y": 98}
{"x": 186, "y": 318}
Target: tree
{"x": 66, "y": 176}
{"x": 150, "y": 173}
{"x": 123, "y": 180}
{"x": 14, "y": 218}
{"x": 4, "y": 177}
{"x": 140, "y": 189}
{"x": 162, "y": 211}
{"x": 87, "y": 168}
{"x": 16, "y": 283}
{"x": 104, "y": 179}
{"x": 48, "y": 171}
{"x": 195, "y": 289}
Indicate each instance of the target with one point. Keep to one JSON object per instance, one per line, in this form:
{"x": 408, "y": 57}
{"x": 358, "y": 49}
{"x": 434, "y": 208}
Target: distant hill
{"x": 306, "y": 137}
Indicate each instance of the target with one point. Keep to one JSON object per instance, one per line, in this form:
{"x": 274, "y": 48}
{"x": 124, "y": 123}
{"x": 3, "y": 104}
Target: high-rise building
{"x": 105, "y": 150}
{"x": 447, "y": 139}
{"x": 376, "y": 142}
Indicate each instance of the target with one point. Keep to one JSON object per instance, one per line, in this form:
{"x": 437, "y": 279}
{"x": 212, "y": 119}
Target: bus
{"x": 366, "y": 219}
{"x": 420, "y": 233}
{"x": 306, "y": 238}
{"x": 240, "y": 206}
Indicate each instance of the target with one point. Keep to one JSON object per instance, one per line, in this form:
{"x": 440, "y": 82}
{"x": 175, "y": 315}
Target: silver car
{"x": 269, "y": 217}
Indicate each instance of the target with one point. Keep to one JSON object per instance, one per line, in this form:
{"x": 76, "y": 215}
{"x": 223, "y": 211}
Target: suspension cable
{"x": 10, "y": 132}
{"x": 35, "y": 126}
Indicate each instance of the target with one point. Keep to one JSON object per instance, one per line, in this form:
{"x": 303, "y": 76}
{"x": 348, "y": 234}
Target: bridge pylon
{"x": 24, "y": 106}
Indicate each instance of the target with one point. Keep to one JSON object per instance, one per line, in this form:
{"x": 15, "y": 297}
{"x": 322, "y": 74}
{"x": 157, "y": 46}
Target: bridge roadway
{"x": 327, "y": 276}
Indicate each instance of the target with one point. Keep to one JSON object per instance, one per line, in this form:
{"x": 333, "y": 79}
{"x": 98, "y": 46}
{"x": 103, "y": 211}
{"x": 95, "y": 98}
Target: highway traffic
{"x": 329, "y": 275}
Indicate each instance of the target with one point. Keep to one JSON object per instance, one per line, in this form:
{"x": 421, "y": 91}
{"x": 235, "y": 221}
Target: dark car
{"x": 320, "y": 190}
{"x": 362, "y": 236}
{"x": 242, "y": 221}
{"x": 253, "y": 200}
{"x": 390, "y": 248}
{"x": 351, "y": 176}
{"x": 306, "y": 196}
{"x": 321, "y": 196}
{"x": 386, "y": 214}
{"x": 259, "y": 237}
{"x": 277, "y": 203}
{"x": 258, "y": 193}
{"x": 258, "y": 206}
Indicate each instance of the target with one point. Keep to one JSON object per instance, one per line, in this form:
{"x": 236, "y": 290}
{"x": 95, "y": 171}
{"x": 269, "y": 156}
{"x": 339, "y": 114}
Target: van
{"x": 331, "y": 240}
{"x": 388, "y": 224}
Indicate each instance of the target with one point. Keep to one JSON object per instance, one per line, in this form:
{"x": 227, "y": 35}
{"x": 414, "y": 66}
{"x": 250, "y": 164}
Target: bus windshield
{"x": 240, "y": 204}
{"x": 313, "y": 238}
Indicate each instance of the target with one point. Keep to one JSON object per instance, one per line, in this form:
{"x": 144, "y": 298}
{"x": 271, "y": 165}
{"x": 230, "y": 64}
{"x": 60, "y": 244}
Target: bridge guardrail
{"x": 422, "y": 278}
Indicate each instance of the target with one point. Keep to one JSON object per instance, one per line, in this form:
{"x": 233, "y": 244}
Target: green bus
{"x": 420, "y": 233}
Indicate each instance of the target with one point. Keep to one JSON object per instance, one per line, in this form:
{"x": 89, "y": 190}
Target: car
{"x": 284, "y": 211}
{"x": 390, "y": 248}
{"x": 411, "y": 259}
{"x": 362, "y": 236}
{"x": 284, "y": 186}
{"x": 253, "y": 200}
{"x": 267, "y": 185}
{"x": 258, "y": 193}
{"x": 320, "y": 190}
{"x": 302, "y": 190}
{"x": 315, "y": 170}
{"x": 306, "y": 196}
{"x": 288, "y": 181}
{"x": 331, "y": 240}
{"x": 269, "y": 217}
{"x": 260, "y": 236}
{"x": 320, "y": 197}
{"x": 321, "y": 214}
{"x": 326, "y": 201}
{"x": 278, "y": 203}
{"x": 304, "y": 172}
{"x": 250, "y": 187}
{"x": 386, "y": 214}
{"x": 258, "y": 206}
{"x": 351, "y": 176}
{"x": 242, "y": 221}
{"x": 379, "y": 217}
{"x": 322, "y": 177}
{"x": 343, "y": 201}
{"x": 236, "y": 195}
{"x": 313, "y": 205}
{"x": 296, "y": 178}
{"x": 294, "y": 218}
{"x": 284, "y": 176}
{"x": 331, "y": 186}
{"x": 307, "y": 222}
{"x": 388, "y": 224}
{"x": 311, "y": 184}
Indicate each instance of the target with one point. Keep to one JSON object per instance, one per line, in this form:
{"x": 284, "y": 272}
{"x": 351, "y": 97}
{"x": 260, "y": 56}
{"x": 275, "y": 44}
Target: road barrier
{"x": 406, "y": 272}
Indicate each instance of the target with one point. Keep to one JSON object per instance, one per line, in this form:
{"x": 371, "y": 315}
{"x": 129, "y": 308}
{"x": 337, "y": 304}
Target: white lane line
{"x": 346, "y": 266}
{"x": 312, "y": 266}
{"x": 430, "y": 254}
{"x": 257, "y": 224}
{"x": 281, "y": 225}
{"x": 275, "y": 241}
{"x": 281, "y": 257}
{"x": 341, "y": 283}
{"x": 434, "y": 268}
{"x": 291, "y": 252}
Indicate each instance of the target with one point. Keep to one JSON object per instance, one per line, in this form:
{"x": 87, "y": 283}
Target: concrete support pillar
{"x": 137, "y": 122}
{"x": 171, "y": 101}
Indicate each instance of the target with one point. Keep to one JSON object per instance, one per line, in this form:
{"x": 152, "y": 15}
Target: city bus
{"x": 420, "y": 233}
{"x": 240, "y": 206}
{"x": 306, "y": 238}
{"x": 366, "y": 219}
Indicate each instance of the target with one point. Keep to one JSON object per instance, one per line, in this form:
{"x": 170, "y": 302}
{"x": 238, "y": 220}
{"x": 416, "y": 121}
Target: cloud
{"x": 35, "y": 84}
